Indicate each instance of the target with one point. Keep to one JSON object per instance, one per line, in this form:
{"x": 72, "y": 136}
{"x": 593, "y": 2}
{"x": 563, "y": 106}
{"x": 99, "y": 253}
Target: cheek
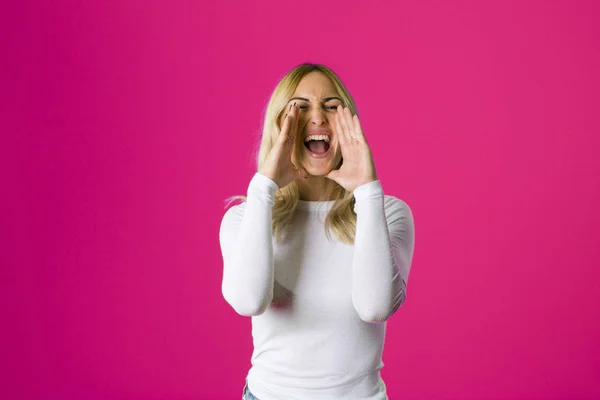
{"x": 331, "y": 120}
{"x": 302, "y": 118}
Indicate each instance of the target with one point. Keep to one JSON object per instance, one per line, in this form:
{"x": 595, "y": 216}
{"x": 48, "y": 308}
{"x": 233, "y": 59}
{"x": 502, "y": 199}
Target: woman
{"x": 317, "y": 254}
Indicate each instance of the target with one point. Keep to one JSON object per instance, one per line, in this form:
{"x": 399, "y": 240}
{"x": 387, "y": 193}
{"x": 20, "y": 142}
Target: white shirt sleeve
{"x": 383, "y": 252}
{"x": 247, "y": 248}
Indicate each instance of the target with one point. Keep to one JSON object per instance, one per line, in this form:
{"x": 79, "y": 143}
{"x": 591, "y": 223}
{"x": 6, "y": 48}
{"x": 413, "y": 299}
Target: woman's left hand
{"x": 357, "y": 166}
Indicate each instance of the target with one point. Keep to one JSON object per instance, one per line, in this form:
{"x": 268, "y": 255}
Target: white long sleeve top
{"x": 318, "y": 306}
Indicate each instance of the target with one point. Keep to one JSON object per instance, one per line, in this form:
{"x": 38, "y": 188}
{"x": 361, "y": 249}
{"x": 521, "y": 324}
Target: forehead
{"x": 315, "y": 84}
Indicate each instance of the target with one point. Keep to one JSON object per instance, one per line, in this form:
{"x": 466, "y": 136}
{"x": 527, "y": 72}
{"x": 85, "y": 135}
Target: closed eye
{"x": 328, "y": 107}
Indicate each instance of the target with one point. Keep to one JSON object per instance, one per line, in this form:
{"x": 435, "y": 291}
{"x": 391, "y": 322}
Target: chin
{"x": 318, "y": 170}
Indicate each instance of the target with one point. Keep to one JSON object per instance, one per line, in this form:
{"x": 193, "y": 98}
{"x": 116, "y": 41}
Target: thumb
{"x": 333, "y": 174}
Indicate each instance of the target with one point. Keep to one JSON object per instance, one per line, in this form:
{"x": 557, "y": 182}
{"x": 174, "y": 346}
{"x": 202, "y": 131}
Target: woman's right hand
{"x": 278, "y": 166}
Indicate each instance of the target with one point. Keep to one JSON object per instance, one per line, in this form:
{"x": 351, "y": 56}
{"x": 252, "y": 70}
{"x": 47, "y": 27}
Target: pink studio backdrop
{"x": 125, "y": 124}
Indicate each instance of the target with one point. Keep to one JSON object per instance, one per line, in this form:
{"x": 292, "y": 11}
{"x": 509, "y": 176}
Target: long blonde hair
{"x": 341, "y": 219}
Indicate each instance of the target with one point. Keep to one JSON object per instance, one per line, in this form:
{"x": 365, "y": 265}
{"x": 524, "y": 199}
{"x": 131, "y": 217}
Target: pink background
{"x": 125, "y": 124}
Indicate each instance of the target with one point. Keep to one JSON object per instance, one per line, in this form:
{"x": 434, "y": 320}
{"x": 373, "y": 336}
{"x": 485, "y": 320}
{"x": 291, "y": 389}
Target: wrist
{"x": 271, "y": 176}
{"x": 365, "y": 181}
{"x": 368, "y": 189}
{"x": 262, "y": 184}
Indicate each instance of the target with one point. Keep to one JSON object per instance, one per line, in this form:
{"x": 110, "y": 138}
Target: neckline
{"x": 315, "y": 205}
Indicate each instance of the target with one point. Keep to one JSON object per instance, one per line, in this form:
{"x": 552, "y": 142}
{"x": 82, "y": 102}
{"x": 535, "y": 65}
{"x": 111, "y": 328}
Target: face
{"x": 317, "y": 148}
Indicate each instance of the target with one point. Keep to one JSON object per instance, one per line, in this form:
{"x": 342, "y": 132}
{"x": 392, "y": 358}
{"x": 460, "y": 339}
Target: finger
{"x": 333, "y": 174}
{"x": 294, "y": 132}
{"x": 360, "y": 136}
{"x": 293, "y": 126}
{"x": 285, "y": 128}
{"x": 348, "y": 123}
{"x": 344, "y": 124}
{"x": 339, "y": 128}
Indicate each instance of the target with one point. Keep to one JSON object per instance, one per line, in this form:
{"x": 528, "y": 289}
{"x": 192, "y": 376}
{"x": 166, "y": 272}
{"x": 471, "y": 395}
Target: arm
{"x": 247, "y": 248}
{"x": 383, "y": 251}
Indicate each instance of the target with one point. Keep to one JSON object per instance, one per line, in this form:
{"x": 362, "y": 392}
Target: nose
{"x": 316, "y": 117}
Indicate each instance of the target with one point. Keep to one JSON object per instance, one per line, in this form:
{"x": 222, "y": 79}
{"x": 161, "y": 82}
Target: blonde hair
{"x": 341, "y": 219}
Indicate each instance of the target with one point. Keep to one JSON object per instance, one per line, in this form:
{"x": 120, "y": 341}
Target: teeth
{"x": 317, "y": 137}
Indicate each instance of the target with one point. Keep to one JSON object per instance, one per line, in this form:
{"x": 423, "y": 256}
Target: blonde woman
{"x": 317, "y": 255}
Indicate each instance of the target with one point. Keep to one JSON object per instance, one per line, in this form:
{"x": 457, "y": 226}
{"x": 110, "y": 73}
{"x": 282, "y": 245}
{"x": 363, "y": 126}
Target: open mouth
{"x": 317, "y": 145}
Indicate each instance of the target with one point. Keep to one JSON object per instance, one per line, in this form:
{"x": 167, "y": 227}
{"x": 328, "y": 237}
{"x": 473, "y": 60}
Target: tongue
{"x": 318, "y": 146}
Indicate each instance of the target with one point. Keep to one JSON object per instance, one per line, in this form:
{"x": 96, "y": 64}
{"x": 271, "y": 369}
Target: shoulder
{"x": 392, "y": 203}
{"x": 396, "y": 209}
{"x": 235, "y": 210}
{"x": 233, "y": 215}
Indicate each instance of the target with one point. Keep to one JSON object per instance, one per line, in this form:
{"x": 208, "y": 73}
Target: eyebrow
{"x": 325, "y": 99}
